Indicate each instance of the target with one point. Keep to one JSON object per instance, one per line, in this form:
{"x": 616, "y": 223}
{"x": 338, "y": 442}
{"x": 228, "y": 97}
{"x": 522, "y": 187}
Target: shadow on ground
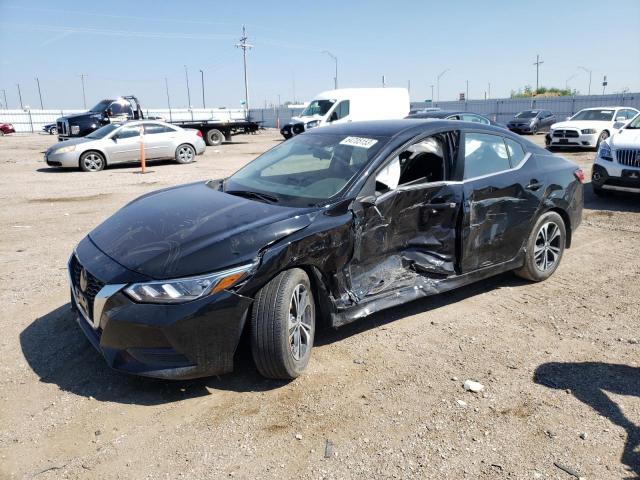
{"x": 57, "y": 351}
{"x": 612, "y": 202}
{"x": 589, "y": 382}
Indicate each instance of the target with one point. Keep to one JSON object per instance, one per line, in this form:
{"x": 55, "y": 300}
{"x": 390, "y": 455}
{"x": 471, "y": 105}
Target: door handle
{"x": 533, "y": 185}
{"x": 436, "y": 207}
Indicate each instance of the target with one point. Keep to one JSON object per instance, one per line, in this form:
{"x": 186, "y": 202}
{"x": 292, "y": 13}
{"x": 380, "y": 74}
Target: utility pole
{"x": 489, "y": 91}
{"x": 335, "y": 59}
{"x": 39, "y": 93}
{"x": 589, "y": 72}
{"x": 537, "y": 64}
{"x": 384, "y": 82}
{"x": 245, "y": 46}
{"x": 467, "y": 95}
{"x": 84, "y": 98}
{"x": 431, "y": 94}
{"x": 4, "y": 93}
{"x": 166, "y": 86}
{"x": 409, "y": 87}
{"x": 604, "y": 84}
{"x": 186, "y": 76}
{"x": 202, "y": 79}
{"x": 438, "y": 82}
{"x": 20, "y": 96}
{"x": 566, "y": 82}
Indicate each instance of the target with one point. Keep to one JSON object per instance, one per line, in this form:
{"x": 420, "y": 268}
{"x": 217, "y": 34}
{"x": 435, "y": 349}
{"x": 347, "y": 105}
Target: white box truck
{"x": 350, "y": 105}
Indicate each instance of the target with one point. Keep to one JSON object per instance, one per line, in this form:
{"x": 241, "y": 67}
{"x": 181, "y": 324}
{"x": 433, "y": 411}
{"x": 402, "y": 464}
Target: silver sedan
{"x": 114, "y": 143}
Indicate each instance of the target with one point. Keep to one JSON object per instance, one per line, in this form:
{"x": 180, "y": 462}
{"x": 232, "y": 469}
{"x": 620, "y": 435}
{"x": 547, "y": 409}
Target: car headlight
{"x": 75, "y": 129}
{"x": 313, "y": 123}
{"x": 588, "y": 131}
{"x": 605, "y": 152}
{"x": 183, "y": 290}
{"x": 67, "y": 149}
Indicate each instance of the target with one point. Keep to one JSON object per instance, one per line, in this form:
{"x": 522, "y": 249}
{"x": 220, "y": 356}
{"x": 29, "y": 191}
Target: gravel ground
{"x": 382, "y": 398}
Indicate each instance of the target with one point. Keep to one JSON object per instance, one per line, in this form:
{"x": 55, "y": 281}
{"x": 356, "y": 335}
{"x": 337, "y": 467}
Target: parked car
{"x": 350, "y": 105}
{"x": 532, "y": 121}
{"x": 423, "y": 110}
{"x": 115, "y": 143}
{"x": 589, "y": 127}
{"x": 325, "y": 228}
{"x": 6, "y": 128}
{"x": 455, "y": 115}
{"x": 617, "y": 164}
{"x": 50, "y": 128}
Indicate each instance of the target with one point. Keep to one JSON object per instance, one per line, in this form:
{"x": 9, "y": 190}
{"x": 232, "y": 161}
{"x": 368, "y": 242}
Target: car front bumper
{"x": 520, "y": 128}
{"x": 581, "y": 140}
{"x": 66, "y": 160}
{"x": 169, "y": 341}
{"x": 609, "y": 175}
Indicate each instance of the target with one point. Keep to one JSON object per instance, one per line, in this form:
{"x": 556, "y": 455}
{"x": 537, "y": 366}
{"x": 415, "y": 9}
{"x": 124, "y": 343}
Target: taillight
{"x": 199, "y": 133}
{"x": 579, "y": 174}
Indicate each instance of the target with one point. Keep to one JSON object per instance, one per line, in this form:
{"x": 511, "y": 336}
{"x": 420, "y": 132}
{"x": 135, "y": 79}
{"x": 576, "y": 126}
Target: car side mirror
{"x": 109, "y": 112}
{"x": 368, "y": 201}
{"x": 333, "y": 117}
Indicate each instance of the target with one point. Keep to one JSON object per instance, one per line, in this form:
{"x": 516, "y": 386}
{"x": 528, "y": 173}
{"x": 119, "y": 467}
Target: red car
{"x": 6, "y": 128}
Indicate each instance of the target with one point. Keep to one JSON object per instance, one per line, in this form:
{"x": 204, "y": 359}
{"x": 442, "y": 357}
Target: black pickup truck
{"x": 128, "y": 108}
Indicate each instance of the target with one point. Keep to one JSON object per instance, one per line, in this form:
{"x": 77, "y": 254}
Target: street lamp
{"x": 335, "y": 59}
{"x": 589, "y": 72}
{"x": 202, "y": 79}
{"x": 438, "y": 82}
{"x": 566, "y": 82}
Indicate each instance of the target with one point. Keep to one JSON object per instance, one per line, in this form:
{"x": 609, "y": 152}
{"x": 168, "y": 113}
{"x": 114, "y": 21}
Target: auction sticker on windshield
{"x": 361, "y": 142}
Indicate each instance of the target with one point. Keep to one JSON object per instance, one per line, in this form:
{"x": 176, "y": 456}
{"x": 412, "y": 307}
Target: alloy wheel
{"x": 185, "y": 154}
{"x": 300, "y": 322}
{"x": 93, "y": 162}
{"x": 548, "y": 246}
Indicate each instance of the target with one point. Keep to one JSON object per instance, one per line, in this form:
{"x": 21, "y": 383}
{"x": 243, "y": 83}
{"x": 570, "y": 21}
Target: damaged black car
{"x": 326, "y": 228}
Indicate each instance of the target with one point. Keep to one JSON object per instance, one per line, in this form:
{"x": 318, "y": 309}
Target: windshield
{"x": 103, "y": 131}
{"x": 597, "y": 115}
{"x": 527, "y": 114}
{"x": 102, "y": 106}
{"x": 307, "y": 169}
{"x": 317, "y": 107}
{"x": 634, "y": 124}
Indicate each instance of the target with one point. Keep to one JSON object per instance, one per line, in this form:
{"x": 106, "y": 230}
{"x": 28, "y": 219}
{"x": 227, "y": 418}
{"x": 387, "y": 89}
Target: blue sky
{"x": 130, "y": 47}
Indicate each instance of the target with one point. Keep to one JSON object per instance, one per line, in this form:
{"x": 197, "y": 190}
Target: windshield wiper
{"x": 265, "y": 197}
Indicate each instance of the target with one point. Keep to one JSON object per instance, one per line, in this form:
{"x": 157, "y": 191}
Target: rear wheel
{"x": 545, "y": 247}
{"x": 92, "y": 162}
{"x": 185, "y": 153}
{"x": 214, "y": 137}
{"x": 53, "y": 131}
{"x": 283, "y": 325}
{"x": 534, "y": 129}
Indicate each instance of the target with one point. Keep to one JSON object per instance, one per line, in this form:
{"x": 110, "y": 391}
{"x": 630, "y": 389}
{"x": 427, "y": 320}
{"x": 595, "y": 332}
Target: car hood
{"x": 581, "y": 124}
{"x": 80, "y": 115}
{"x": 521, "y": 120}
{"x": 305, "y": 119}
{"x": 193, "y": 229}
{"x": 71, "y": 141}
{"x": 626, "y": 138}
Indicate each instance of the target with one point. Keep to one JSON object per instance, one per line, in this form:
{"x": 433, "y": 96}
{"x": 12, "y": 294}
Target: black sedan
{"x": 532, "y": 121}
{"x": 326, "y": 228}
{"x": 456, "y": 115}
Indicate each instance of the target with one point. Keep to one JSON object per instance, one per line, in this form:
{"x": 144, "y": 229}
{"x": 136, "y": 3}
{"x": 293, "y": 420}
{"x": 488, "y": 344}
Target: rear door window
{"x": 484, "y": 154}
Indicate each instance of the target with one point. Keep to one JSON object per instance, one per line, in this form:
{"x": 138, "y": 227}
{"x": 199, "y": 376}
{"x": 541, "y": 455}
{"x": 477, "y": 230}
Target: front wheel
{"x": 534, "y": 130}
{"x": 283, "y": 325}
{"x": 92, "y": 162}
{"x": 53, "y": 131}
{"x": 545, "y": 247}
{"x": 185, "y": 153}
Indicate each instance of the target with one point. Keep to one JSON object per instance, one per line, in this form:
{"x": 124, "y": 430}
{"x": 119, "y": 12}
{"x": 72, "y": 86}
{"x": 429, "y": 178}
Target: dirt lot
{"x": 382, "y": 398}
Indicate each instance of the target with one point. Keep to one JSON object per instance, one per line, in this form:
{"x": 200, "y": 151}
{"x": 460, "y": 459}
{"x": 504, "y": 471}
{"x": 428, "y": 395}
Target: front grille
{"x": 629, "y": 157}
{"x": 93, "y": 285}
{"x": 565, "y": 134}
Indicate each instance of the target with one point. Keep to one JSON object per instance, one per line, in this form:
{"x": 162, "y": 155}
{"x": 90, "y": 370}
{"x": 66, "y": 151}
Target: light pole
{"x": 186, "y": 76}
{"x": 489, "y": 91}
{"x": 84, "y": 98}
{"x": 335, "y": 59}
{"x": 4, "y": 93}
{"x": 20, "y": 96}
{"x": 589, "y": 72}
{"x": 245, "y": 46}
{"x": 166, "y": 86}
{"x": 438, "y": 82}
{"x": 566, "y": 82}
{"x": 467, "y": 94}
{"x": 202, "y": 79}
{"x": 431, "y": 94}
{"x": 39, "y": 93}
{"x": 537, "y": 63}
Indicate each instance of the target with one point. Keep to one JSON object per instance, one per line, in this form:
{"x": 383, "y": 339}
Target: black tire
{"x": 214, "y": 137}
{"x": 185, "y": 153}
{"x": 92, "y": 161}
{"x": 534, "y": 129}
{"x": 603, "y": 136}
{"x": 53, "y": 131}
{"x": 272, "y": 345}
{"x": 537, "y": 266}
{"x": 1, "y": 133}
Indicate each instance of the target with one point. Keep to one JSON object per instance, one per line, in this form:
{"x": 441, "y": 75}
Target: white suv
{"x": 617, "y": 164}
{"x": 589, "y": 127}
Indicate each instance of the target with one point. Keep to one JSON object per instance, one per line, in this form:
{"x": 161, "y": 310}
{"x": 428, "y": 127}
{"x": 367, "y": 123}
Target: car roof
{"x": 442, "y": 114}
{"x": 606, "y": 108}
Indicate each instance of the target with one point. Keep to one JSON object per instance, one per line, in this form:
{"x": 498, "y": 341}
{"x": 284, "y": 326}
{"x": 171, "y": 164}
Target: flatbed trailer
{"x": 215, "y": 132}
